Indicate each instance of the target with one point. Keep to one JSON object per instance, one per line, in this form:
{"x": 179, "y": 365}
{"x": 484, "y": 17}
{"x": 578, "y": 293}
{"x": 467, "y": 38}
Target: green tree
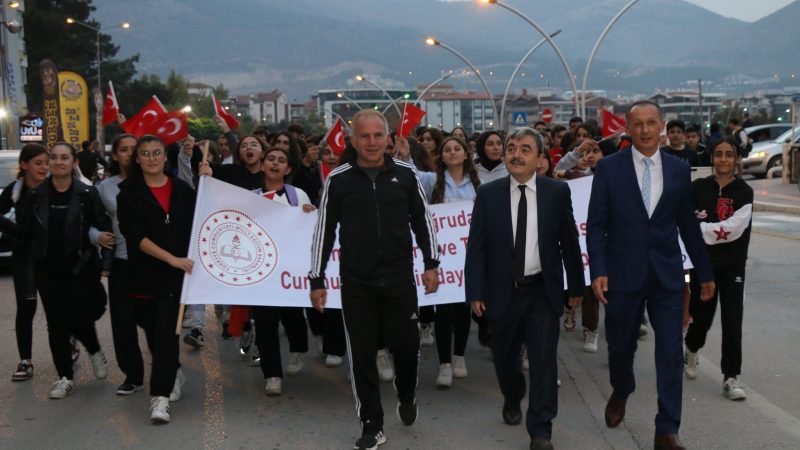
{"x": 204, "y": 128}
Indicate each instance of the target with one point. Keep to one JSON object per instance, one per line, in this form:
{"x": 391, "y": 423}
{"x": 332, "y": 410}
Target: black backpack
{"x": 744, "y": 146}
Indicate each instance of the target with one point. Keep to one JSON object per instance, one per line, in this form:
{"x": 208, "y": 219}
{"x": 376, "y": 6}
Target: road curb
{"x": 776, "y": 207}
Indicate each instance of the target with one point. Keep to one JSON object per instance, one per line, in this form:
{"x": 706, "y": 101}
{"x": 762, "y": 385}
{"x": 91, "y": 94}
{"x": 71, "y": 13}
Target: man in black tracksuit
{"x": 373, "y": 199}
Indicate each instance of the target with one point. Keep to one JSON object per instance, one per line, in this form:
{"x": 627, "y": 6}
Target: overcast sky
{"x": 747, "y": 10}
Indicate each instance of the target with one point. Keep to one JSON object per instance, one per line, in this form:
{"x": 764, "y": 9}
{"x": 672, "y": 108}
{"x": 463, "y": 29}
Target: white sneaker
{"x": 426, "y": 335}
{"x": 177, "y": 388}
{"x": 333, "y": 361}
{"x": 459, "y": 367}
{"x": 589, "y": 341}
{"x": 445, "y": 378}
{"x": 526, "y": 364}
{"x": 385, "y": 369}
{"x": 732, "y": 390}
{"x": 159, "y": 410}
{"x": 690, "y": 364}
{"x": 274, "y": 386}
{"x": 99, "y": 364}
{"x": 62, "y": 388}
{"x": 295, "y": 363}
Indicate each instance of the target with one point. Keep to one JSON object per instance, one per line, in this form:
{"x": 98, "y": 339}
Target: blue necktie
{"x": 646, "y": 184}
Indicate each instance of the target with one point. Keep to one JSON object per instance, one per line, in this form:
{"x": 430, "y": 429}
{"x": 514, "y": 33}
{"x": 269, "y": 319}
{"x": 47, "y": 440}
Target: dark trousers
{"x": 730, "y": 294}
{"x": 159, "y": 316}
{"x": 623, "y": 316}
{"x": 590, "y": 310}
{"x": 427, "y": 314}
{"x": 452, "y": 330}
{"x": 66, "y": 301}
{"x": 26, "y": 308}
{"x": 330, "y": 326}
{"x": 371, "y": 311}
{"x": 267, "y": 339}
{"x": 126, "y": 314}
{"x": 529, "y": 320}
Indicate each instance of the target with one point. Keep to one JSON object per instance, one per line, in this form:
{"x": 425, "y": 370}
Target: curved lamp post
{"x": 514, "y": 75}
{"x": 428, "y": 88}
{"x": 364, "y": 79}
{"x": 549, "y": 41}
{"x": 594, "y": 51}
{"x": 340, "y": 94}
{"x": 431, "y": 41}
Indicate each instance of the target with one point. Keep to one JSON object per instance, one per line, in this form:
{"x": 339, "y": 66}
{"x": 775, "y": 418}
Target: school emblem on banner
{"x": 236, "y": 250}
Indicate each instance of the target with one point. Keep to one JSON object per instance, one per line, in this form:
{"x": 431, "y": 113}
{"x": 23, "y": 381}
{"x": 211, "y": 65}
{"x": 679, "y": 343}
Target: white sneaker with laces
{"x": 159, "y": 410}
{"x": 690, "y": 364}
{"x": 62, "y": 388}
{"x": 99, "y": 364}
{"x": 426, "y": 335}
{"x": 445, "y": 378}
{"x": 459, "y": 367}
{"x": 526, "y": 364}
{"x": 333, "y": 361}
{"x": 385, "y": 369}
{"x": 590, "y": 341}
{"x": 274, "y": 386}
{"x": 177, "y": 388}
{"x": 732, "y": 390}
{"x": 295, "y": 363}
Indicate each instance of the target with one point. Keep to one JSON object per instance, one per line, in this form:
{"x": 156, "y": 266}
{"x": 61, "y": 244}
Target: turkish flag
{"x": 171, "y": 127}
{"x": 324, "y": 171}
{"x": 226, "y": 116}
{"x": 335, "y": 137}
{"x": 412, "y": 116}
{"x": 612, "y": 124}
{"x": 146, "y": 117}
{"x": 111, "y": 107}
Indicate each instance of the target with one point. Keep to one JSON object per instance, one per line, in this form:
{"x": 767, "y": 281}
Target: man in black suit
{"x": 522, "y": 231}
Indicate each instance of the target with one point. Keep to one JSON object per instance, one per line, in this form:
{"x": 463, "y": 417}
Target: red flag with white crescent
{"x": 412, "y": 116}
{"x": 335, "y": 138}
{"x": 145, "y": 118}
{"x": 225, "y": 115}
{"x": 111, "y": 107}
{"x": 171, "y": 127}
{"x": 612, "y": 124}
{"x": 324, "y": 171}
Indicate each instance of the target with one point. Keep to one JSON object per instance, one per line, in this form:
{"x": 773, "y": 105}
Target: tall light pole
{"x": 594, "y": 51}
{"x": 549, "y": 41}
{"x": 12, "y": 26}
{"x": 434, "y": 42}
{"x": 428, "y": 87}
{"x": 368, "y": 81}
{"x": 340, "y": 94}
{"x": 514, "y": 75}
{"x": 99, "y": 95}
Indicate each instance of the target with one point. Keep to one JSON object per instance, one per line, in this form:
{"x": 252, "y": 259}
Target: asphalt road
{"x": 225, "y": 405}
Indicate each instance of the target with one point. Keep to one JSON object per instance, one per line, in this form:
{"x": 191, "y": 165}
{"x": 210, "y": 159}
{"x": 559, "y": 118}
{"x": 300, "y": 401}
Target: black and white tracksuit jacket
{"x": 373, "y": 219}
{"x": 725, "y": 219}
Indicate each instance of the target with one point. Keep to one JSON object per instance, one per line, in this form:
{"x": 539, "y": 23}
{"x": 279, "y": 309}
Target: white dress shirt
{"x": 533, "y": 265}
{"x": 656, "y": 176}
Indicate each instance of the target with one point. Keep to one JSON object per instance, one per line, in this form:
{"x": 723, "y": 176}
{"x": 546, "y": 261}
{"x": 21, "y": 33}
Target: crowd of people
{"x": 133, "y": 228}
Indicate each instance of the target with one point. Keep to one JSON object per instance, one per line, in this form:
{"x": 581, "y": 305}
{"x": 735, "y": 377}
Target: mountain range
{"x": 300, "y": 46}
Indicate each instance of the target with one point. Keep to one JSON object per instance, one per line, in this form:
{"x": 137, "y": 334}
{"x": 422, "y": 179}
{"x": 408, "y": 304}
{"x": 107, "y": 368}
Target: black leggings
{"x": 26, "y": 308}
{"x": 268, "y": 341}
{"x": 452, "y": 319}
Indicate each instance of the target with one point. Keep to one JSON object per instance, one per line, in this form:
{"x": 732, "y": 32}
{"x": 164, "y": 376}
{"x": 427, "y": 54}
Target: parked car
{"x": 766, "y": 132}
{"x": 768, "y": 154}
{"x": 9, "y": 165}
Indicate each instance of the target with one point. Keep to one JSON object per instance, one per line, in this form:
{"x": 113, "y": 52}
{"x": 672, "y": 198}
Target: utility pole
{"x": 700, "y": 101}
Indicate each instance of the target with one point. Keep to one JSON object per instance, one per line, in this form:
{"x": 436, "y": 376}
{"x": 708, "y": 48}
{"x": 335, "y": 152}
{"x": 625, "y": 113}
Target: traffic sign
{"x": 520, "y": 118}
{"x": 547, "y": 115}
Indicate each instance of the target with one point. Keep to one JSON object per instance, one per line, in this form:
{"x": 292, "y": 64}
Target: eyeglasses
{"x": 155, "y": 154}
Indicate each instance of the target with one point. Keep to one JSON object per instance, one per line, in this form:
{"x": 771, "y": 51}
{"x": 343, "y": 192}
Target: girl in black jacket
{"x": 57, "y": 218}
{"x": 33, "y": 169}
{"x": 155, "y": 214}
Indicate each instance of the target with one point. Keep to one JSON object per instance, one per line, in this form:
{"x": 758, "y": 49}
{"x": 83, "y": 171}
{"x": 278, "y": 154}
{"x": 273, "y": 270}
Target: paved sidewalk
{"x": 774, "y": 196}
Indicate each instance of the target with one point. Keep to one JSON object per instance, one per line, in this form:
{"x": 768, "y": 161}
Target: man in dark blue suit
{"x": 641, "y": 200}
{"x": 522, "y": 234}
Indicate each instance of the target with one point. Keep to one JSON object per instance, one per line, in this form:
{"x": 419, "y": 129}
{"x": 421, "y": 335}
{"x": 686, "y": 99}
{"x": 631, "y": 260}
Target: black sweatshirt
{"x": 725, "y": 219}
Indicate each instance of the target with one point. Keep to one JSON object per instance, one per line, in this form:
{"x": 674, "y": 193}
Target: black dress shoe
{"x": 540, "y": 443}
{"x": 615, "y": 411}
{"x": 512, "y": 414}
{"x": 667, "y": 442}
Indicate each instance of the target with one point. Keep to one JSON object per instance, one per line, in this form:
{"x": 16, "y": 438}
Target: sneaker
{"x": 195, "y": 338}
{"x": 99, "y": 364}
{"x": 732, "y": 390}
{"x": 385, "y": 369}
{"x": 274, "y": 386}
{"x": 127, "y": 388}
{"x": 690, "y": 360}
{"x": 76, "y": 351}
{"x": 426, "y": 335}
{"x": 370, "y": 440}
{"x": 246, "y": 342}
{"x": 459, "y": 367}
{"x": 407, "y": 412}
{"x": 589, "y": 341}
{"x": 333, "y": 361}
{"x": 445, "y": 378}
{"x": 295, "y": 363}
{"x": 526, "y": 364}
{"x": 569, "y": 320}
{"x": 62, "y": 388}
{"x": 255, "y": 356}
{"x": 177, "y": 388}
{"x": 159, "y": 410}
{"x": 24, "y": 371}
{"x": 225, "y": 333}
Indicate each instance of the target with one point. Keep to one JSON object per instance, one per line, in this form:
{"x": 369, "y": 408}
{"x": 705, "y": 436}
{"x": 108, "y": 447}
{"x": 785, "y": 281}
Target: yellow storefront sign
{"x": 74, "y": 105}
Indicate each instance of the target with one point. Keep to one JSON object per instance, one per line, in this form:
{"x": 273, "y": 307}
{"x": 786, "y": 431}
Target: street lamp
{"x": 434, "y": 42}
{"x": 594, "y": 51}
{"x": 502, "y": 119}
{"x": 13, "y": 27}
{"x": 340, "y": 94}
{"x": 428, "y": 87}
{"x": 364, "y": 79}
{"x": 549, "y": 41}
{"x": 98, "y": 103}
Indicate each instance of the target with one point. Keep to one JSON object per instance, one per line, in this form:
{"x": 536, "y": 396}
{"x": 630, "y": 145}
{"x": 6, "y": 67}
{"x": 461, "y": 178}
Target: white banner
{"x": 252, "y": 251}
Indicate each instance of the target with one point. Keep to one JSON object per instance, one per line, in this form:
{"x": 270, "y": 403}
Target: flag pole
{"x": 181, "y": 310}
